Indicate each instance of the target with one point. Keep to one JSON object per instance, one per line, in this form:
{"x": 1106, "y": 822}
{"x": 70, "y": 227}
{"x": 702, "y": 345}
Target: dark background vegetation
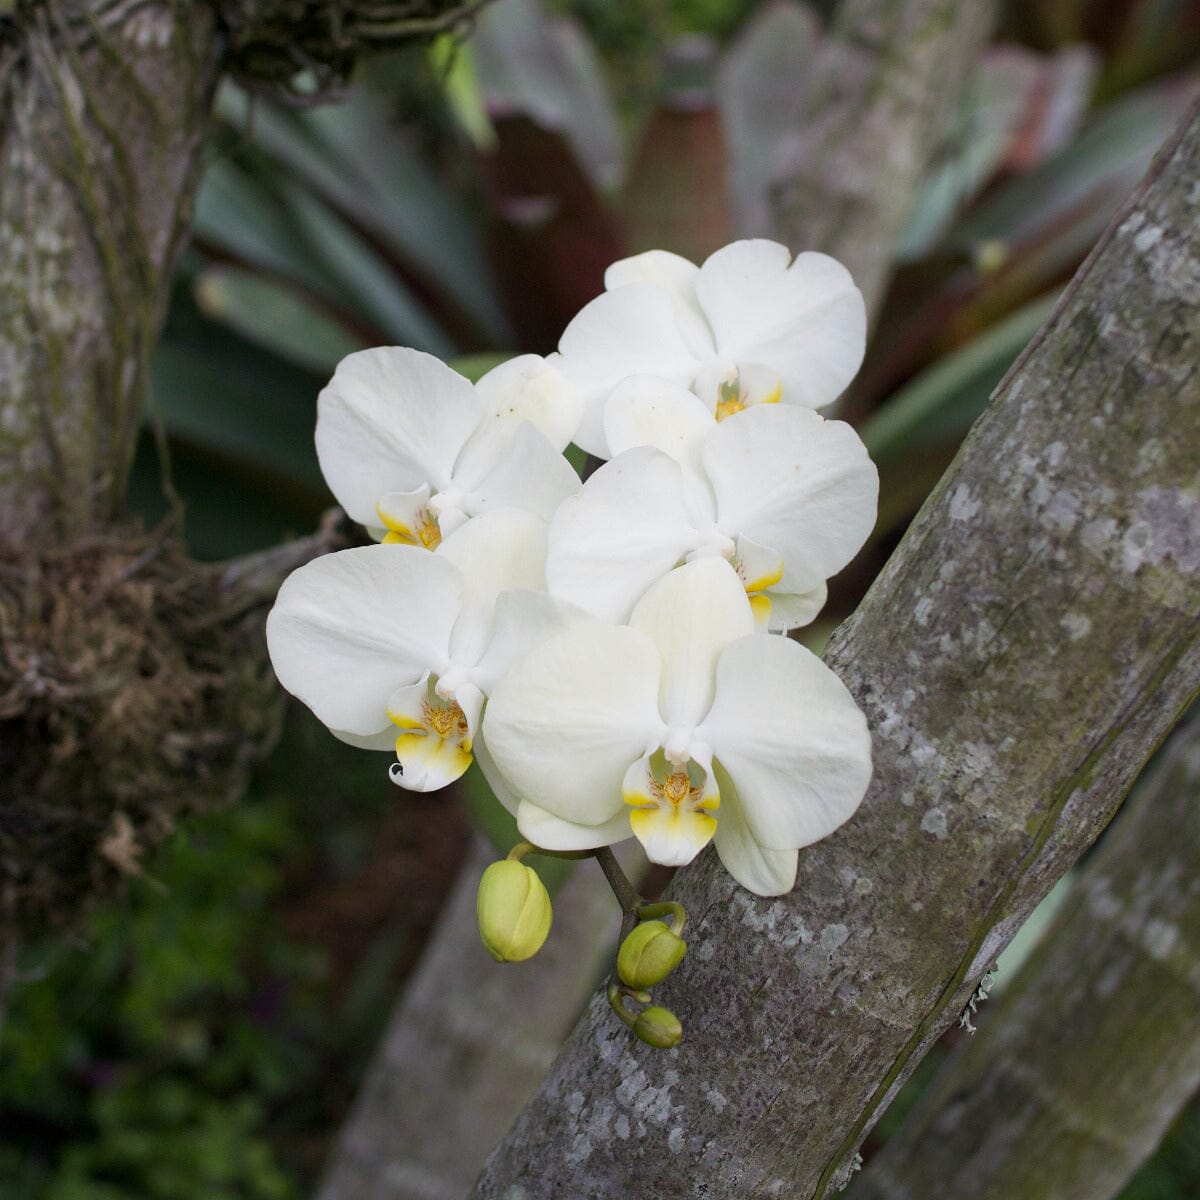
{"x": 202, "y": 1035}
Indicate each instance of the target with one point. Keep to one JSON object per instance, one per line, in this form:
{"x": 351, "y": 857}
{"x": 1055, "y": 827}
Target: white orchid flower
{"x": 749, "y": 326}
{"x": 412, "y": 450}
{"x": 683, "y": 726}
{"x": 783, "y": 494}
{"x": 394, "y": 647}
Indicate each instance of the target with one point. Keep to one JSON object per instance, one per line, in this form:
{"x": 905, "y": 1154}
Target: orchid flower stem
{"x": 668, "y": 908}
{"x": 616, "y": 1001}
{"x": 626, "y": 894}
{"x": 521, "y": 849}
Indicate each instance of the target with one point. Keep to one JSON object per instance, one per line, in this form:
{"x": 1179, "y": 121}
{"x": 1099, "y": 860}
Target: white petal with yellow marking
{"x": 672, "y": 810}
{"x": 567, "y": 720}
{"x": 433, "y": 743}
{"x": 408, "y": 520}
{"x": 791, "y": 480}
{"x": 389, "y": 420}
{"x": 804, "y": 320}
{"x": 349, "y": 627}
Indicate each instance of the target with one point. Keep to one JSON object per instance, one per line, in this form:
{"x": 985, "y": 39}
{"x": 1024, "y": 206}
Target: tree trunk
{"x": 889, "y": 77}
{"x": 132, "y": 680}
{"x": 103, "y": 109}
{"x": 1028, "y": 645}
{"x": 1095, "y": 1047}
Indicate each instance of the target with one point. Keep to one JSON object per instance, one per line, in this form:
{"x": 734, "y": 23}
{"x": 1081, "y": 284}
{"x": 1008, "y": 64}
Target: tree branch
{"x": 888, "y": 78}
{"x": 1095, "y": 1047}
{"x": 1028, "y": 645}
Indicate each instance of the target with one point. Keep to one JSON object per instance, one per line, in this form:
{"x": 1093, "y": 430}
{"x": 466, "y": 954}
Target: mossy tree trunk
{"x": 133, "y": 683}
{"x": 103, "y": 109}
{"x": 1094, "y": 1047}
{"x": 1028, "y": 645}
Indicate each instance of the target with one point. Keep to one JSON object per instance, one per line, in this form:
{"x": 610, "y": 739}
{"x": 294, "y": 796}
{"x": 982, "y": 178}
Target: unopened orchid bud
{"x": 658, "y": 1026}
{"x": 649, "y": 954}
{"x": 513, "y": 910}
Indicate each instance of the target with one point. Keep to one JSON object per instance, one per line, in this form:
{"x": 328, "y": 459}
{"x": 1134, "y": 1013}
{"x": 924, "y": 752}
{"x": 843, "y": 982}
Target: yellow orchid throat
{"x": 760, "y": 602}
{"x": 428, "y": 532}
{"x": 435, "y": 740}
{"x": 733, "y": 397}
{"x": 672, "y": 809}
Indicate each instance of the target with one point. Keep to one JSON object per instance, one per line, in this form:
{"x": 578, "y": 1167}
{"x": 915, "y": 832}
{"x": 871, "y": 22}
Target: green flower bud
{"x": 657, "y": 1026}
{"x": 649, "y": 954}
{"x": 513, "y": 910}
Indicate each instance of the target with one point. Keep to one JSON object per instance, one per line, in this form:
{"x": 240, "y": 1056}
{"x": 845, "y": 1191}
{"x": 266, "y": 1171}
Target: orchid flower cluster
{"x": 609, "y": 650}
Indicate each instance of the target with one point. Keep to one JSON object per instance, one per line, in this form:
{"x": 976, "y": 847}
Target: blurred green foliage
{"x": 143, "y": 1063}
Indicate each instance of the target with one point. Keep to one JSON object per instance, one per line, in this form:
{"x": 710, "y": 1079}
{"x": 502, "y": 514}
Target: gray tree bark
{"x": 881, "y": 91}
{"x": 103, "y": 109}
{"x": 1029, "y": 643}
{"x": 1094, "y": 1048}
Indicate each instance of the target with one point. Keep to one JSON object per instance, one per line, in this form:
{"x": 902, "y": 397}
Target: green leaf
{"x": 1091, "y": 175}
{"x": 943, "y": 401}
{"x": 290, "y": 233}
{"x": 475, "y": 366}
{"x": 567, "y": 93}
{"x": 275, "y": 316}
{"x": 350, "y": 158}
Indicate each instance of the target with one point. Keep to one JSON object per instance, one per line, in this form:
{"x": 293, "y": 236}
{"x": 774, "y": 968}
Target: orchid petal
{"x": 791, "y": 480}
{"x": 565, "y": 723}
{"x": 793, "y": 610}
{"x": 804, "y": 320}
{"x": 647, "y": 411}
{"x": 761, "y": 871}
{"x": 530, "y": 388}
{"x": 389, "y": 420}
{"x": 660, "y": 267}
{"x": 501, "y": 788}
{"x": 433, "y": 747}
{"x": 634, "y": 330}
{"x": 350, "y": 627}
{"x": 674, "y": 275}
{"x": 625, "y": 529}
{"x": 691, "y": 615}
{"x": 544, "y": 829}
{"x": 502, "y": 468}
{"x": 523, "y": 619}
{"x": 385, "y": 739}
{"x": 496, "y": 552}
{"x": 792, "y": 739}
